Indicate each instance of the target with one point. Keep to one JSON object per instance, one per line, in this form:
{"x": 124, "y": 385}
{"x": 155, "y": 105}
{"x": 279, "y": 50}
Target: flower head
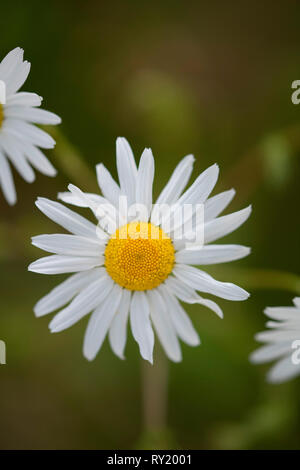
{"x": 283, "y": 342}
{"x": 137, "y": 264}
{"x": 19, "y": 138}
{"x": 137, "y": 258}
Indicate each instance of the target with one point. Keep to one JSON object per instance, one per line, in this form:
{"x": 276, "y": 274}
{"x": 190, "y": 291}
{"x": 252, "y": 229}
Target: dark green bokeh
{"x": 209, "y": 78}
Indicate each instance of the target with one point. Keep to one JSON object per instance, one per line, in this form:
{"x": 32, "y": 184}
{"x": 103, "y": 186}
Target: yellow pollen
{"x": 139, "y": 256}
{"x": 1, "y": 114}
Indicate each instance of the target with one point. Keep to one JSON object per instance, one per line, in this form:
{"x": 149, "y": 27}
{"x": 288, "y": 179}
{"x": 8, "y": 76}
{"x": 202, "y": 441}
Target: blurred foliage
{"x": 213, "y": 79}
{"x": 277, "y": 160}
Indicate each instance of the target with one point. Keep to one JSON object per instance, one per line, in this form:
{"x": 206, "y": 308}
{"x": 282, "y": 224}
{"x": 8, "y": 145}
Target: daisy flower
{"x": 138, "y": 269}
{"x": 19, "y": 138}
{"x": 283, "y": 342}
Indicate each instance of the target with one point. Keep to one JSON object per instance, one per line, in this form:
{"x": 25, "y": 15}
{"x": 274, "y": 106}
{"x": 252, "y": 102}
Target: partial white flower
{"x": 282, "y": 342}
{"x": 19, "y": 138}
{"x": 125, "y": 273}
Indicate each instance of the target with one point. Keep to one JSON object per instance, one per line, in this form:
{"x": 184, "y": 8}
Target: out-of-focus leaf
{"x": 277, "y": 160}
{"x": 165, "y": 106}
{"x": 267, "y": 422}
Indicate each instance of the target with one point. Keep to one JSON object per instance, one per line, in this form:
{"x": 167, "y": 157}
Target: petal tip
{"x": 252, "y": 358}
{"x": 148, "y": 359}
{"x": 88, "y": 356}
{"x": 38, "y": 312}
{"x": 12, "y": 202}
{"x": 190, "y": 158}
{"x": 31, "y": 267}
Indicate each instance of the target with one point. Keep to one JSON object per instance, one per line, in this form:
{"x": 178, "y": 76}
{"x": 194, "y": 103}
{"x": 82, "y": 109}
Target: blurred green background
{"x": 210, "y": 78}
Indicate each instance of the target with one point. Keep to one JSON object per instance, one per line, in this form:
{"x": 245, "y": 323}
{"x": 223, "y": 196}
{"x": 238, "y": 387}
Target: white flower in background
{"x": 283, "y": 342}
{"x": 129, "y": 274}
{"x": 19, "y": 138}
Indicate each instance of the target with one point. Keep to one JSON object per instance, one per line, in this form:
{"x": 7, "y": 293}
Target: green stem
{"x": 67, "y": 158}
{"x": 155, "y": 393}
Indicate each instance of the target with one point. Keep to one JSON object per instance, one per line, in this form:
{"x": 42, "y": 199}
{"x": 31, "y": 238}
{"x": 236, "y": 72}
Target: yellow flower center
{"x": 1, "y": 114}
{"x": 139, "y": 256}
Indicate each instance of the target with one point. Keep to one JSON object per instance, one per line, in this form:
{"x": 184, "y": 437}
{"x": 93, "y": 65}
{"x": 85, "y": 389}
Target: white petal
{"x": 29, "y": 132}
{"x": 180, "y": 319}
{"x": 24, "y": 99}
{"x": 283, "y": 370}
{"x": 163, "y": 325}
{"x": 141, "y": 325}
{"x": 77, "y": 193}
{"x": 216, "y": 204}
{"x": 16, "y": 157}
{"x": 282, "y": 313}
{"x": 26, "y": 113}
{"x": 71, "y": 245}
{"x": 196, "y": 194}
{"x": 18, "y": 77}
{"x": 175, "y": 186}
{"x": 145, "y": 180}
{"x": 270, "y": 352}
{"x": 10, "y": 62}
{"x": 108, "y": 186}
{"x": 107, "y": 214}
{"x": 286, "y": 325}
{"x": 224, "y": 225}
{"x": 202, "y": 187}
{"x": 58, "y": 264}
{"x": 100, "y": 322}
{"x": 127, "y": 170}
{"x": 6, "y": 181}
{"x": 37, "y": 159}
{"x": 296, "y": 301}
{"x": 118, "y": 329}
{"x": 68, "y": 219}
{"x": 65, "y": 291}
{"x": 70, "y": 198}
{"x": 203, "y": 282}
{"x": 185, "y": 293}
{"x": 211, "y": 254}
{"x": 88, "y": 299}
{"x": 271, "y": 336}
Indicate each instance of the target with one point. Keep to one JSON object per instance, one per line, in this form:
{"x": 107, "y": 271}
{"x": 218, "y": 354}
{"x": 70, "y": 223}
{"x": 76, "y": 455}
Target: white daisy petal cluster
{"x": 20, "y": 139}
{"x": 282, "y": 342}
{"x": 135, "y": 278}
